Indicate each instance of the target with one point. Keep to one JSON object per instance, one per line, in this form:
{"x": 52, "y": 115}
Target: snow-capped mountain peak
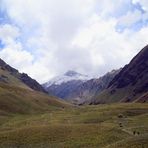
{"x": 68, "y": 76}
{"x": 71, "y": 73}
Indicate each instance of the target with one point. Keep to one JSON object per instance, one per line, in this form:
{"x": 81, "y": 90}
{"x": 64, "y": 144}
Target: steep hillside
{"x": 19, "y": 100}
{"x": 130, "y": 84}
{"x": 21, "y": 94}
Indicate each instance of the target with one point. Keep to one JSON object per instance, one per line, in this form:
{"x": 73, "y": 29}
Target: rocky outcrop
{"x": 5, "y": 66}
{"x": 33, "y": 84}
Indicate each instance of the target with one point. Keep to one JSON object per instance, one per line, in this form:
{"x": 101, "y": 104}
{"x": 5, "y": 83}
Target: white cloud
{"x": 108, "y": 48}
{"x": 13, "y": 51}
{"x": 16, "y": 57}
{"x": 144, "y": 3}
{"x": 8, "y": 33}
{"x": 52, "y": 36}
{"x": 130, "y": 18}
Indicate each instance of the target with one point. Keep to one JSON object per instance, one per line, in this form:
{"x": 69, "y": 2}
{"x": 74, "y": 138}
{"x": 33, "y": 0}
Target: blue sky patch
{"x": 1, "y": 45}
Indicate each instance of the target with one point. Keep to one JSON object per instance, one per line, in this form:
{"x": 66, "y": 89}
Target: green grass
{"x": 12, "y": 80}
{"x": 17, "y": 97}
{"x": 23, "y": 101}
{"x": 99, "y": 126}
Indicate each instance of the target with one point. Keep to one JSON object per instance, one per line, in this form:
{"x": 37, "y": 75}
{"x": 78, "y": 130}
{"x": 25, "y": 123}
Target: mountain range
{"x": 78, "y": 88}
{"x": 128, "y": 84}
{"x": 65, "y": 85}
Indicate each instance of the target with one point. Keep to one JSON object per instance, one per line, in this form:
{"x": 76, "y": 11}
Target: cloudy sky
{"x": 45, "y": 38}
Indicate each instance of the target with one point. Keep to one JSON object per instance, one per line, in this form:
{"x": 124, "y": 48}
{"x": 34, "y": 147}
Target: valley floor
{"x": 102, "y": 126}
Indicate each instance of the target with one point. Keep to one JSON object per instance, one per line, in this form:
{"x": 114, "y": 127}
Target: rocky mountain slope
{"x": 12, "y": 76}
{"x": 62, "y": 86}
{"x": 87, "y": 90}
{"x": 131, "y": 84}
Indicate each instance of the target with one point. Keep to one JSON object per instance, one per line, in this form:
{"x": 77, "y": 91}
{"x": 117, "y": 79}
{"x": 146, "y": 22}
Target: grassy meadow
{"x": 101, "y": 126}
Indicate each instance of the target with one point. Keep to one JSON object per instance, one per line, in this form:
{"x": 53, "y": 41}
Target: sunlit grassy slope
{"x": 10, "y": 79}
{"x": 102, "y": 126}
{"x": 23, "y": 101}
